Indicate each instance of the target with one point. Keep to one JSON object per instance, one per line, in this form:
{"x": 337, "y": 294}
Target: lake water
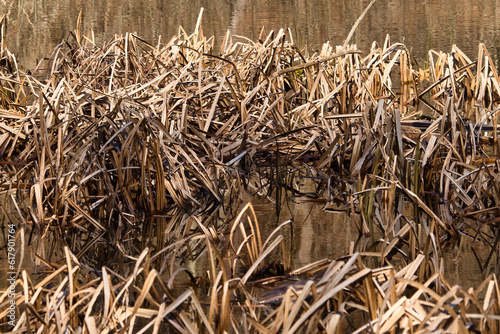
{"x": 36, "y": 26}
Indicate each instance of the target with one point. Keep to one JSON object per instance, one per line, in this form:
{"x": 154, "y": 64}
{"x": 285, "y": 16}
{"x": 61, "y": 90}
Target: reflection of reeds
{"x": 127, "y": 131}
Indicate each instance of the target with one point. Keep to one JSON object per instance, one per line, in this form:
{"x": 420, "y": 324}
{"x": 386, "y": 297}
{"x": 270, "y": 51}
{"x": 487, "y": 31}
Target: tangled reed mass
{"x": 98, "y": 138}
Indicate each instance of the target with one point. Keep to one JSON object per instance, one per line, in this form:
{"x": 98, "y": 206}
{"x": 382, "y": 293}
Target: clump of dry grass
{"x": 106, "y": 136}
{"x": 134, "y": 128}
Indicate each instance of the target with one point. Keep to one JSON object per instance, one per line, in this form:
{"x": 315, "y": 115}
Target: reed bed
{"x": 132, "y": 158}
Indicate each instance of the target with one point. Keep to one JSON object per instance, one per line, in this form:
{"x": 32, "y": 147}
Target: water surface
{"x": 37, "y": 26}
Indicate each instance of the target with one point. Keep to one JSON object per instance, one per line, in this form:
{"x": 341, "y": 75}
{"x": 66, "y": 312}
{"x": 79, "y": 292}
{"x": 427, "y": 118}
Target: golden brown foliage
{"x": 106, "y": 136}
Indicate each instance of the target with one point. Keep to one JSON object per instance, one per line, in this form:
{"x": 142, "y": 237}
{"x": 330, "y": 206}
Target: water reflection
{"x": 316, "y": 234}
{"x": 463, "y": 267}
{"x": 37, "y": 26}
{"x": 313, "y": 235}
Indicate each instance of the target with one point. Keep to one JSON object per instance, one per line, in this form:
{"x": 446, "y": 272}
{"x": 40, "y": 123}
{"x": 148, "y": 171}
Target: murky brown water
{"x": 319, "y": 234}
{"x": 37, "y": 26}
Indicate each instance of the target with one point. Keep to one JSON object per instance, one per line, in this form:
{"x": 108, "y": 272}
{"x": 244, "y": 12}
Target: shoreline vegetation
{"x": 114, "y": 160}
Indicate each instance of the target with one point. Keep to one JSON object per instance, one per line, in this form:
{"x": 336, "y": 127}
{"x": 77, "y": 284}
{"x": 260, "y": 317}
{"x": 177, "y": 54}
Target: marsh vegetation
{"x": 123, "y": 164}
